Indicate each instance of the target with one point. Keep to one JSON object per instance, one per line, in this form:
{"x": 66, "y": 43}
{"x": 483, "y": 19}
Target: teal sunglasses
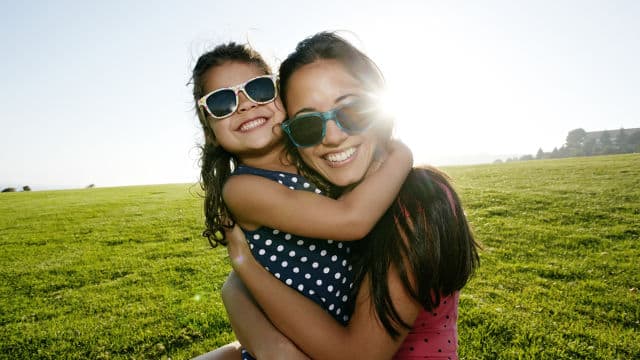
{"x": 309, "y": 129}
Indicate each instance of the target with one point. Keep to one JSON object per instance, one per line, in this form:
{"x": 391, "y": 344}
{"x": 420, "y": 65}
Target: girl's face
{"x": 323, "y": 85}
{"x": 249, "y": 131}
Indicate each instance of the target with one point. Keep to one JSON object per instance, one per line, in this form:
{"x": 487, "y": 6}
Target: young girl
{"x": 248, "y": 180}
{"x": 410, "y": 267}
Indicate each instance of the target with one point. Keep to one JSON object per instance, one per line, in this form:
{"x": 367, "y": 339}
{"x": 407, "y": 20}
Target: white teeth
{"x": 252, "y": 124}
{"x": 341, "y": 156}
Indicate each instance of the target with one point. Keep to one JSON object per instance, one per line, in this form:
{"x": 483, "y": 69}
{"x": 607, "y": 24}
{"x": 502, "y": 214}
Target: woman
{"x": 409, "y": 269}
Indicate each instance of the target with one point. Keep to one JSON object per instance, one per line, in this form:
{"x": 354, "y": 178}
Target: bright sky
{"x": 95, "y": 92}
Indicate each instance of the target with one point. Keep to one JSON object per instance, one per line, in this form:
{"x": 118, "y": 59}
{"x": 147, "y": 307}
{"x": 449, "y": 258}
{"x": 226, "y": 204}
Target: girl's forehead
{"x": 230, "y": 74}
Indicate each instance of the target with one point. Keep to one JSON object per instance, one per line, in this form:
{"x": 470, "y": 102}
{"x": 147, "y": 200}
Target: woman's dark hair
{"x": 426, "y": 238}
{"x": 424, "y": 235}
{"x": 217, "y": 163}
{"x": 330, "y": 46}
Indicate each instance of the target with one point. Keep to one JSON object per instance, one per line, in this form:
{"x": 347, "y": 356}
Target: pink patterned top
{"x": 434, "y": 334}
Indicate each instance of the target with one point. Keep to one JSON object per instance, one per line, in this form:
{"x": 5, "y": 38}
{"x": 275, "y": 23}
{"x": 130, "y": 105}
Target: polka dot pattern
{"x": 319, "y": 269}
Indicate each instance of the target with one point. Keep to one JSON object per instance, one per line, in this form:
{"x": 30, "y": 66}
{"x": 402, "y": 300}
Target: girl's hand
{"x": 237, "y": 246}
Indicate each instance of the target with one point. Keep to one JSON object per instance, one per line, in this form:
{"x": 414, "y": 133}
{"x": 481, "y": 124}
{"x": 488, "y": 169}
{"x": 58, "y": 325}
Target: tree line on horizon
{"x": 28, "y": 188}
{"x": 582, "y": 143}
{"x": 12, "y": 189}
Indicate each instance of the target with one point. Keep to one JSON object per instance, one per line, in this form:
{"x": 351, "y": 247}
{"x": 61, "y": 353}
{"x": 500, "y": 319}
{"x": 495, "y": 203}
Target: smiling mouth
{"x": 341, "y": 157}
{"x": 252, "y": 124}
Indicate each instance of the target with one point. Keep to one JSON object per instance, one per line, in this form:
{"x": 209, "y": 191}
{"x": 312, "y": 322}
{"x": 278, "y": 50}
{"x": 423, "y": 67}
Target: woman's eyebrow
{"x": 336, "y": 101}
{"x": 340, "y": 98}
{"x": 304, "y": 110}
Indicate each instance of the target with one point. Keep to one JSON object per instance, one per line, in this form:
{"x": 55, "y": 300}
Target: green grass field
{"x": 122, "y": 273}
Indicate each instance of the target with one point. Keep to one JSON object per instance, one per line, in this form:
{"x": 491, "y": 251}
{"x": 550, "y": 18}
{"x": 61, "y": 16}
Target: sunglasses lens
{"x": 306, "y": 130}
{"x": 356, "y": 116}
{"x": 261, "y": 90}
{"x": 222, "y": 103}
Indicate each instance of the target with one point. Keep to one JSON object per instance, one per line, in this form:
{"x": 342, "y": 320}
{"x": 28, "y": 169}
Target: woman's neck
{"x": 379, "y": 158}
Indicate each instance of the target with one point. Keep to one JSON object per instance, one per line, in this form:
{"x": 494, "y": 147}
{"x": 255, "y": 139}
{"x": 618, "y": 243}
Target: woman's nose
{"x": 333, "y": 135}
{"x": 244, "y": 104}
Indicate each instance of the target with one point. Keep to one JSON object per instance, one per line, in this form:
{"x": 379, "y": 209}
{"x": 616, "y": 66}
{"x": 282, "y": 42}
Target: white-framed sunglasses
{"x": 221, "y": 103}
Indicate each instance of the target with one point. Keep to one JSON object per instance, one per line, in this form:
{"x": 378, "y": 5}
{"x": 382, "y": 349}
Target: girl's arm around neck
{"x": 311, "y": 328}
{"x": 256, "y": 201}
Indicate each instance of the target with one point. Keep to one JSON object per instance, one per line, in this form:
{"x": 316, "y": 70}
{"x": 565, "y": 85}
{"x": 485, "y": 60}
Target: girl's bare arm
{"x": 256, "y": 201}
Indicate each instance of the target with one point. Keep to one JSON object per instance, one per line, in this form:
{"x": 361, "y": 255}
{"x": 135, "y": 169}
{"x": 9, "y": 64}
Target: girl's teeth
{"x": 252, "y": 124}
{"x": 341, "y": 156}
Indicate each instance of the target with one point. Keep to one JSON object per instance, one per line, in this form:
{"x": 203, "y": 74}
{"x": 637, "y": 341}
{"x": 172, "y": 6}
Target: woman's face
{"x": 249, "y": 130}
{"x": 340, "y": 158}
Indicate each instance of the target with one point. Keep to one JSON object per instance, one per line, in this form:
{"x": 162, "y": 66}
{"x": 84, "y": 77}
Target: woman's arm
{"x": 310, "y": 327}
{"x": 256, "y": 201}
{"x": 252, "y": 328}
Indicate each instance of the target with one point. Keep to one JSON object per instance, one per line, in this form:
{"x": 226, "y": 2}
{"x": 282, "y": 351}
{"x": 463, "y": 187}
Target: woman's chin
{"x": 348, "y": 179}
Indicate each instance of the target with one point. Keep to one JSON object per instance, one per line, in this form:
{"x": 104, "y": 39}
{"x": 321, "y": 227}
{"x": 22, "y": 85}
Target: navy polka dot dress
{"x": 319, "y": 269}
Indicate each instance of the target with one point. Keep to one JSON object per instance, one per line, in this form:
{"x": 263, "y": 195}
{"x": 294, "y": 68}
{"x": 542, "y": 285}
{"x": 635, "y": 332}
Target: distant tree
{"x": 564, "y": 152}
{"x": 26, "y": 188}
{"x": 575, "y": 142}
{"x": 526, "y": 157}
{"x": 497, "y": 161}
{"x": 633, "y": 141}
{"x": 579, "y": 144}
{"x": 9, "y": 189}
{"x": 621, "y": 141}
{"x": 590, "y": 147}
{"x": 606, "y": 143}
{"x": 91, "y": 186}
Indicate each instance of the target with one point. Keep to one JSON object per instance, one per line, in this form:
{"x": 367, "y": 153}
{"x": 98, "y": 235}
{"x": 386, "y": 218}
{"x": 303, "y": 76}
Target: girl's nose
{"x": 244, "y": 104}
